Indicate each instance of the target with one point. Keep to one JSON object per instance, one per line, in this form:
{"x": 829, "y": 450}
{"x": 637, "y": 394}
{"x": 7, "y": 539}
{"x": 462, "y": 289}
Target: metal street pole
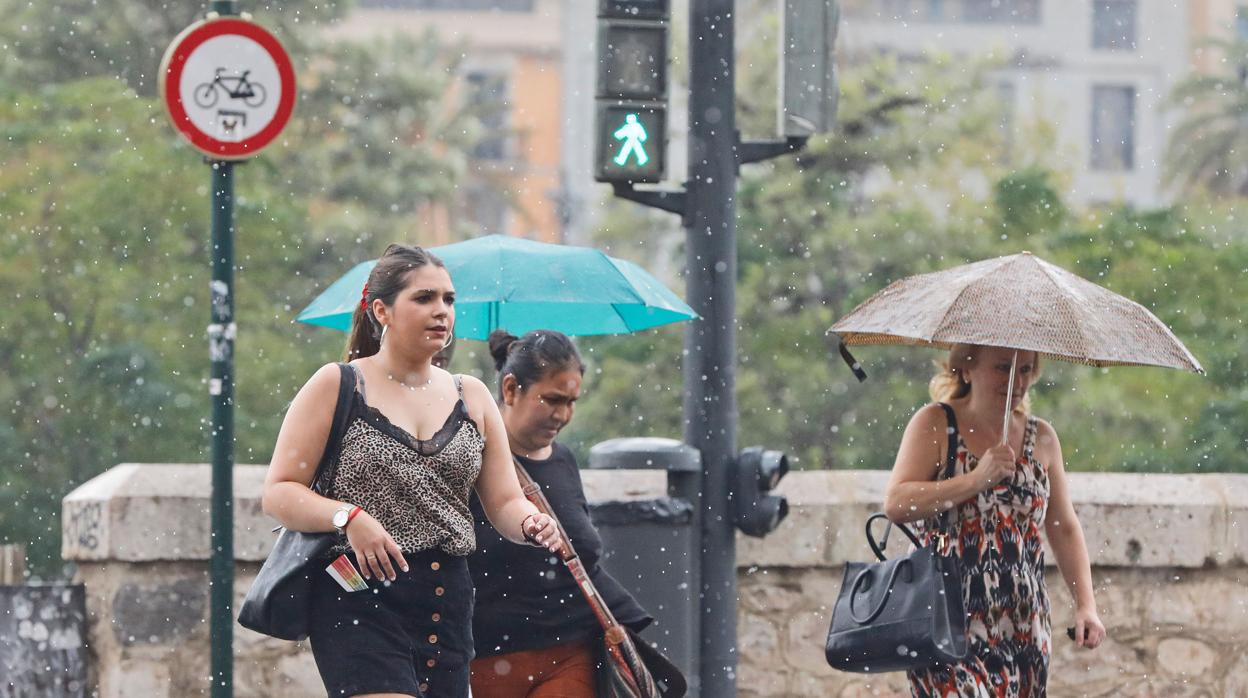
{"x": 710, "y": 403}
{"x": 221, "y": 388}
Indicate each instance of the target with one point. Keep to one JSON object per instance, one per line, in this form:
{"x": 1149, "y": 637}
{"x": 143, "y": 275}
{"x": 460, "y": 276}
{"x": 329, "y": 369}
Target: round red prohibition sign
{"x": 228, "y": 86}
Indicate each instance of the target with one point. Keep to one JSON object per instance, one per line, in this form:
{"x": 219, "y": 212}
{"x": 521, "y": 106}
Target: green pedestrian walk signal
{"x": 629, "y": 142}
{"x": 630, "y": 120}
{"x": 634, "y": 136}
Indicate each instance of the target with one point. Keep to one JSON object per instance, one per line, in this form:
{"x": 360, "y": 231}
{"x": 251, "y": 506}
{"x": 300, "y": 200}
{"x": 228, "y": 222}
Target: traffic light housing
{"x": 756, "y": 472}
{"x": 630, "y": 111}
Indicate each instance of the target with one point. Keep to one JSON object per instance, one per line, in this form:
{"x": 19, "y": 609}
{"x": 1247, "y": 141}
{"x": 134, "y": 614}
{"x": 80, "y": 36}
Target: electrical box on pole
{"x": 630, "y": 111}
{"x": 808, "y": 87}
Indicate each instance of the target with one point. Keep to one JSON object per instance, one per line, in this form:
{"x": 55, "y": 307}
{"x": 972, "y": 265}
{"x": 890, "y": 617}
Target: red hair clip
{"x": 364, "y": 297}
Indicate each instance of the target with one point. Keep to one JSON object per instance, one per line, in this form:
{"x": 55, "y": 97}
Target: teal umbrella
{"x": 520, "y": 285}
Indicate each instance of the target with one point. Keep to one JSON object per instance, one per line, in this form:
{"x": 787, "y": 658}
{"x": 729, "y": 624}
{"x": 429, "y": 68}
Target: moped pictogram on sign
{"x": 228, "y": 86}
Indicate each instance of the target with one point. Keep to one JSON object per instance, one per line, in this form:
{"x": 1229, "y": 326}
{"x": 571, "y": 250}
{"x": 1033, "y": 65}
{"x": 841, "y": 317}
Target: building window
{"x": 1113, "y": 24}
{"x": 487, "y": 98}
{"x": 951, "y": 11}
{"x": 486, "y": 209}
{"x": 452, "y": 5}
{"x": 1007, "y": 96}
{"x": 1113, "y": 127}
{"x": 1000, "y": 11}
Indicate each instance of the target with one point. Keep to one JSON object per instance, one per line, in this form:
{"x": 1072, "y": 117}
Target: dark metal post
{"x": 221, "y": 388}
{"x": 710, "y": 405}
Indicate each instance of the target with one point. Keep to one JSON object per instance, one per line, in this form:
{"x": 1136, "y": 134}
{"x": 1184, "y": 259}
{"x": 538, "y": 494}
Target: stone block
{"x": 1073, "y": 668}
{"x": 801, "y": 540}
{"x": 763, "y": 595}
{"x": 1236, "y": 682}
{"x": 147, "y": 512}
{"x": 1193, "y": 602}
{"x": 160, "y": 613}
{"x": 759, "y": 647}
{"x": 806, "y": 635}
{"x": 624, "y": 485}
{"x": 1234, "y": 549}
{"x": 1154, "y": 520}
{"x": 882, "y": 686}
{"x": 1181, "y": 656}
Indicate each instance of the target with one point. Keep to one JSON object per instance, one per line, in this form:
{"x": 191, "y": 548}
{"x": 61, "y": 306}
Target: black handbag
{"x": 667, "y": 677}
{"x": 904, "y": 613}
{"x": 278, "y": 602}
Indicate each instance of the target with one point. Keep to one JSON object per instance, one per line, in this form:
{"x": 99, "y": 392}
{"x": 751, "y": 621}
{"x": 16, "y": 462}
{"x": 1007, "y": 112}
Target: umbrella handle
{"x": 1009, "y": 398}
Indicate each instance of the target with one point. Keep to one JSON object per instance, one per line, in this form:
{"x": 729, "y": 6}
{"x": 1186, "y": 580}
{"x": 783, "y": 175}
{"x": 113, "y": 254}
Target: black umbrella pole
{"x": 221, "y": 388}
{"x": 710, "y": 405}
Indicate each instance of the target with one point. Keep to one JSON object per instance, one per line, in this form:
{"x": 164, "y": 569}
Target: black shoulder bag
{"x": 905, "y": 613}
{"x": 277, "y": 603}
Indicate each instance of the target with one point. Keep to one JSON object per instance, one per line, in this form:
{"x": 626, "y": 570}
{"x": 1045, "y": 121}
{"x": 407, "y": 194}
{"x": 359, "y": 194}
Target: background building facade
{"x": 1099, "y": 70}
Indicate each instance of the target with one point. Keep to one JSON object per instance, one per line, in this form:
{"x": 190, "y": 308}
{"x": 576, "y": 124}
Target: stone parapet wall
{"x": 1169, "y": 558}
{"x": 1168, "y": 554}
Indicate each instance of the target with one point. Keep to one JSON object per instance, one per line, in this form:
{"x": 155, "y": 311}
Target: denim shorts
{"x": 412, "y": 635}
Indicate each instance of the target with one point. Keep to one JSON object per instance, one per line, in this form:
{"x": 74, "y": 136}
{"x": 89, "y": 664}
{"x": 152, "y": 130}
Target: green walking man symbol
{"x": 633, "y": 134}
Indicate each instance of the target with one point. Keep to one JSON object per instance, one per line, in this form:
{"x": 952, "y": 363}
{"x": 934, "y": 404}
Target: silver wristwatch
{"x": 341, "y": 515}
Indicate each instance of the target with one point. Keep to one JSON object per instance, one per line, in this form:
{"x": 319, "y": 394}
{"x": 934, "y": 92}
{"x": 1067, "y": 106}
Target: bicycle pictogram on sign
{"x": 235, "y": 87}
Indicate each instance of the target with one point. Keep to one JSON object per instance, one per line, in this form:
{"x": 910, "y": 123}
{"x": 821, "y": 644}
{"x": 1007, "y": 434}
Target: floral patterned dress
{"x": 996, "y": 539}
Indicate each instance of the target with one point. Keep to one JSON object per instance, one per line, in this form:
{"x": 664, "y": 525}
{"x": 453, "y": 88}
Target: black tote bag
{"x": 277, "y": 603}
{"x": 904, "y": 613}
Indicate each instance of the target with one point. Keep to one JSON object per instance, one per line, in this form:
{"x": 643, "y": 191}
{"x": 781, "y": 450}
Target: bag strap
{"x": 324, "y": 477}
{"x": 951, "y": 460}
{"x": 533, "y": 492}
{"x": 942, "y": 520}
{"x": 621, "y": 650}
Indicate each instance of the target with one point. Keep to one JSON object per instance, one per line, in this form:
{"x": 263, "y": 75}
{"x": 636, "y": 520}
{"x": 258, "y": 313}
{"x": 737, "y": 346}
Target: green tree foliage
{"x": 1209, "y": 148}
{"x": 51, "y": 42}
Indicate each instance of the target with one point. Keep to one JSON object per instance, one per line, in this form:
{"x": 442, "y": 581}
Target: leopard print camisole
{"x": 416, "y": 488}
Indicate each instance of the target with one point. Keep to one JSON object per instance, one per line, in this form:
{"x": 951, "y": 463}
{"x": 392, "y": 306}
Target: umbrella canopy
{"x": 1019, "y": 302}
{"x": 522, "y": 285}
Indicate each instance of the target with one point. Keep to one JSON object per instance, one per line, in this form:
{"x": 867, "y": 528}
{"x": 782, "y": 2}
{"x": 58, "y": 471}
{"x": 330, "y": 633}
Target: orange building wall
{"x": 535, "y": 96}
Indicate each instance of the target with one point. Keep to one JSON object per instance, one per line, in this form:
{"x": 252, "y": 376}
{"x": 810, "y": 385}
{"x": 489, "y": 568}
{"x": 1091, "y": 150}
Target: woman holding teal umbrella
{"x": 418, "y": 441}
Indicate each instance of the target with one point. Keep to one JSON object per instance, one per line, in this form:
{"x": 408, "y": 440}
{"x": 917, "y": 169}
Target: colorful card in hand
{"x": 346, "y": 575}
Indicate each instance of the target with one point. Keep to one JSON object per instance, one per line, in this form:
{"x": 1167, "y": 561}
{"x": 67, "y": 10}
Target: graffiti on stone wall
{"x": 83, "y": 524}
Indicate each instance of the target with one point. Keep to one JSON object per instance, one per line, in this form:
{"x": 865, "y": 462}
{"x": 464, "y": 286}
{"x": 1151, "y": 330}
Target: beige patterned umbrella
{"x": 1018, "y": 302}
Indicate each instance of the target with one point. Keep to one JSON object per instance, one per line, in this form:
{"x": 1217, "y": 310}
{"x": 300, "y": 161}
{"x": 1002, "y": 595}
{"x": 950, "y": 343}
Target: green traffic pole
{"x": 221, "y": 387}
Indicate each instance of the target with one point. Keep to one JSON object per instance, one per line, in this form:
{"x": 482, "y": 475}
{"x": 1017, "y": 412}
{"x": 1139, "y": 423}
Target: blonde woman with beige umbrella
{"x": 999, "y": 318}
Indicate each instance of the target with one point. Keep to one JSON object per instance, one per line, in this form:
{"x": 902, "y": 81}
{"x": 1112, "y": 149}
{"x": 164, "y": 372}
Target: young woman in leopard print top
{"x": 417, "y": 442}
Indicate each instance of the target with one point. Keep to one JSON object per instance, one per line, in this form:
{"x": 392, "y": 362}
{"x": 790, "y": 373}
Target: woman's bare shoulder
{"x": 929, "y": 417}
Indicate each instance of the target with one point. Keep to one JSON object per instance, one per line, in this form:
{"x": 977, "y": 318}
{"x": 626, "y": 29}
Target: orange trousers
{"x": 562, "y": 671}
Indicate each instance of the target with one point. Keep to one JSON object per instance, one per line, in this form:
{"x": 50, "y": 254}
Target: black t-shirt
{"x": 526, "y": 598}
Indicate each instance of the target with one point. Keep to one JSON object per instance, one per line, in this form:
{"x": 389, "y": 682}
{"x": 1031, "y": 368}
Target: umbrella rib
{"x": 1066, "y": 302}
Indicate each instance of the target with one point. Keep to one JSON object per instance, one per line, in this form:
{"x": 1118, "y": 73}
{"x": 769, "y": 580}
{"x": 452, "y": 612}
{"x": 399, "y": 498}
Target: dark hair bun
{"x": 500, "y": 343}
